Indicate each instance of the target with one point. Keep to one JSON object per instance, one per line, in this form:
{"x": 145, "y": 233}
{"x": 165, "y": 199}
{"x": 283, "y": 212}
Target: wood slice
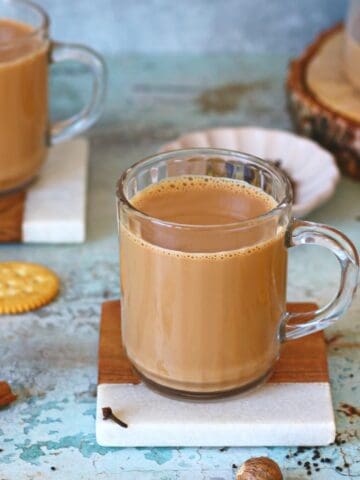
{"x": 322, "y": 102}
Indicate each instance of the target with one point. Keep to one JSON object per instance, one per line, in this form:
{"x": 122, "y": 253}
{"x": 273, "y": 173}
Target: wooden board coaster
{"x": 53, "y": 208}
{"x": 293, "y": 408}
{"x": 11, "y": 216}
{"x": 323, "y": 103}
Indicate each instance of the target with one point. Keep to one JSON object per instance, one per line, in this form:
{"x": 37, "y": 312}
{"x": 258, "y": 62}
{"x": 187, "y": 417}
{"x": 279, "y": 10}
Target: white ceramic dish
{"x": 311, "y": 167}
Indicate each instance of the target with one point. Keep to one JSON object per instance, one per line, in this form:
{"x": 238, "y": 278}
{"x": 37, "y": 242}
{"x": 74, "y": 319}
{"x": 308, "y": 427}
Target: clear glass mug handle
{"x": 78, "y": 123}
{"x": 297, "y": 325}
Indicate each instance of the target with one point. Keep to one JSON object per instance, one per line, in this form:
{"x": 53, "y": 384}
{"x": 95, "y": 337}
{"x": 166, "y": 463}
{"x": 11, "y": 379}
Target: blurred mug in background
{"x": 25, "y": 54}
{"x": 352, "y": 44}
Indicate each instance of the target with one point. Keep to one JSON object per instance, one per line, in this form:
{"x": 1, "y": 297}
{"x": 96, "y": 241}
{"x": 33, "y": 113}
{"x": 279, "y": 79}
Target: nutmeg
{"x": 259, "y": 468}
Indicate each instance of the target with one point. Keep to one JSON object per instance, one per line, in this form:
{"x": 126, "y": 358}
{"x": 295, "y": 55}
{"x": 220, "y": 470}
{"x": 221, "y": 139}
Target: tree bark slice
{"x": 334, "y": 130}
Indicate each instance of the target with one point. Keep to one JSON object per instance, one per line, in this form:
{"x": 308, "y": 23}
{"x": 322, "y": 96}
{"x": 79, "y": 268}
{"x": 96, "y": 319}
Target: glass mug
{"x": 204, "y": 306}
{"x": 25, "y": 54}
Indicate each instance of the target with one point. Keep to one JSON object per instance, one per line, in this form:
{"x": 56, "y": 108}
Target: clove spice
{"x": 108, "y": 413}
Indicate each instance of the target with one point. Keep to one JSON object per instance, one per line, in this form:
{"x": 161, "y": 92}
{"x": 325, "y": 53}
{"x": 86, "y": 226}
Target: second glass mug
{"x": 25, "y": 53}
{"x": 204, "y": 306}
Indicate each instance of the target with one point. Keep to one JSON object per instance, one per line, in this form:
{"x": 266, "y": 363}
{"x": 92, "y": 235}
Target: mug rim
{"x": 284, "y": 202}
{"x": 43, "y": 27}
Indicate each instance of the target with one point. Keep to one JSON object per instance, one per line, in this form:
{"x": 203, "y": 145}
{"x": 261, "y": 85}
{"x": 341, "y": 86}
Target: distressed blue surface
{"x": 50, "y": 356}
{"x": 192, "y": 26}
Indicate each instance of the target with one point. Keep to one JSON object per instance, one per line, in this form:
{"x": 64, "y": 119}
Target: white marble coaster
{"x": 277, "y": 414}
{"x": 55, "y": 207}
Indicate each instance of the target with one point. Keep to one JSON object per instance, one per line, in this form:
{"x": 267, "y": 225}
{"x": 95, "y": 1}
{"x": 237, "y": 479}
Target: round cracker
{"x": 25, "y": 286}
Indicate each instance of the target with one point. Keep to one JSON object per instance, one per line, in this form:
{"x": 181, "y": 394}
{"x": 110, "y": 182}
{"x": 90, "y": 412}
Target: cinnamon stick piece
{"x": 6, "y": 395}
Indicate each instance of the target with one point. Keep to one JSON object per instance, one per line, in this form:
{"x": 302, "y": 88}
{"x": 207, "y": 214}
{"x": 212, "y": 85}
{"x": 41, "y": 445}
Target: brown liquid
{"x": 23, "y": 103}
{"x": 205, "y": 318}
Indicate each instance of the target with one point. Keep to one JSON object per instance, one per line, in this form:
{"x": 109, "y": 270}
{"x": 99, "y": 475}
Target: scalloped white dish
{"x": 311, "y": 167}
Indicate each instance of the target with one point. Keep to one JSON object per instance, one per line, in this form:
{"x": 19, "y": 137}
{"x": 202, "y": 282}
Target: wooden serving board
{"x": 293, "y": 408}
{"x": 53, "y": 208}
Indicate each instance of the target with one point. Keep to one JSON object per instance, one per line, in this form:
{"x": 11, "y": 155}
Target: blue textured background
{"x": 192, "y": 26}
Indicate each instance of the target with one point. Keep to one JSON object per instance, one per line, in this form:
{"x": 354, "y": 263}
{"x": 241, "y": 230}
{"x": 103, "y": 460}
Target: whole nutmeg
{"x": 259, "y": 468}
